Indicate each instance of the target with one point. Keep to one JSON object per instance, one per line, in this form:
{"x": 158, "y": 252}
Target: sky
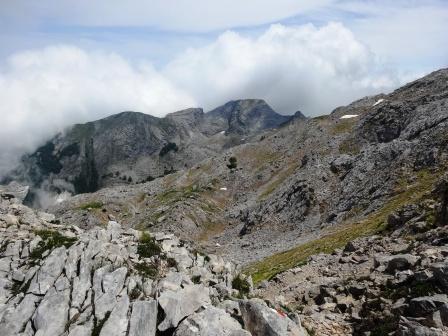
{"x": 64, "y": 62}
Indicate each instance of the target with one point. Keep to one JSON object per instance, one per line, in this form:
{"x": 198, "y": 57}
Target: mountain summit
{"x": 135, "y": 147}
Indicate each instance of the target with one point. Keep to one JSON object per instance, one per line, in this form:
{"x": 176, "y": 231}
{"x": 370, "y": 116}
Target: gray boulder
{"x": 440, "y": 271}
{"x": 210, "y": 322}
{"x": 181, "y": 303}
{"x": 400, "y": 262}
{"x": 260, "y": 320}
{"x": 425, "y": 305}
{"x": 411, "y": 328}
{"x": 143, "y": 318}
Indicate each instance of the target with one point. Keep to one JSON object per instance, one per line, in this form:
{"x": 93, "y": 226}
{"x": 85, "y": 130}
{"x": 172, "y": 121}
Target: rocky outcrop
{"x": 109, "y": 281}
{"x": 390, "y": 284}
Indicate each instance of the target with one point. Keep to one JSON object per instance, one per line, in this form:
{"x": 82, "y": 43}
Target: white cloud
{"x": 45, "y": 90}
{"x": 408, "y": 33}
{"x": 180, "y": 15}
{"x": 305, "y": 67}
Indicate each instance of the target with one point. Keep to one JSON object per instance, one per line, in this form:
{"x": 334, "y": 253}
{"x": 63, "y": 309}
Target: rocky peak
{"x": 245, "y": 116}
{"x": 189, "y": 118}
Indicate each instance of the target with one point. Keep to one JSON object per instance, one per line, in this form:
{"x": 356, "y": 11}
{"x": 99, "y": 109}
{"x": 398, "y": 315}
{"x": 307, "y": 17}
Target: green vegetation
{"x": 374, "y": 223}
{"x": 50, "y": 240}
{"x": 147, "y": 270}
{"x": 148, "y": 246}
{"x": 135, "y": 293}
{"x": 176, "y": 195}
{"x": 274, "y": 184}
{"x": 171, "y": 262}
{"x": 232, "y": 163}
{"x": 240, "y": 284}
{"x": 169, "y": 147}
{"x": 91, "y": 205}
{"x": 343, "y": 126}
{"x": 196, "y": 279}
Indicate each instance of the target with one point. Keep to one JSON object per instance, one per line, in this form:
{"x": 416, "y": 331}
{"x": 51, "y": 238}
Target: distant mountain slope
{"x": 134, "y": 147}
{"x": 338, "y": 175}
{"x": 244, "y": 117}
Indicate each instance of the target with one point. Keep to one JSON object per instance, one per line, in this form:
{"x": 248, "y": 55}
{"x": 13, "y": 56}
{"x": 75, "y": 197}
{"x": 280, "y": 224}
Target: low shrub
{"x": 240, "y": 284}
{"x": 148, "y": 246}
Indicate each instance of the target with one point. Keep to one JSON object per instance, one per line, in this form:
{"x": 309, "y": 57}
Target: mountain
{"x": 244, "y": 117}
{"x": 291, "y": 185}
{"x": 338, "y": 223}
{"x": 135, "y": 147}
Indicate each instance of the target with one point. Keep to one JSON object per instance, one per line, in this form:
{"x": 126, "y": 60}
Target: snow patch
{"x": 379, "y": 101}
{"x": 348, "y": 116}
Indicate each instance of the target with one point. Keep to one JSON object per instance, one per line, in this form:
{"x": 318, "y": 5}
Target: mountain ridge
{"x": 140, "y": 147}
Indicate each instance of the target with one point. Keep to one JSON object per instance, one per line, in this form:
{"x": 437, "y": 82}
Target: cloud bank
{"x": 172, "y": 15}
{"x": 302, "y": 67}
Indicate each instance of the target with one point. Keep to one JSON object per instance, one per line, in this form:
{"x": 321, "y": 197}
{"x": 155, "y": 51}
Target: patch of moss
{"x": 50, "y": 240}
{"x": 147, "y": 246}
{"x": 91, "y": 205}
{"x": 341, "y": 235}
{"x": 147, "y": 270}
{"x": 343, "y": 126}
{"x": 241, "y": 285}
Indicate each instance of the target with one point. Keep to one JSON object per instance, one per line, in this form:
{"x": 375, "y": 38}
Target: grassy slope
{"x": 341, "y": 235}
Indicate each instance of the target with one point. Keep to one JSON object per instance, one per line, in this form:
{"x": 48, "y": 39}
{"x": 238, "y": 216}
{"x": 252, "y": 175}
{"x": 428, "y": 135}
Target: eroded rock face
{"x": 61, "y": 280}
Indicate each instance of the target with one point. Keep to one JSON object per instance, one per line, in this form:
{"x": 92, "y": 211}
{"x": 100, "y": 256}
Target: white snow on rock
{"x": 379, "y": 101}
{"x": 348, "y": 116}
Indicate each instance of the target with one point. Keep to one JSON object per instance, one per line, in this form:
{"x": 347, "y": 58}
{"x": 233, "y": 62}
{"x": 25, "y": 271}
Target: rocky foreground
{"x": 390, "y": 284}
{"x": 62, "y": 280}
